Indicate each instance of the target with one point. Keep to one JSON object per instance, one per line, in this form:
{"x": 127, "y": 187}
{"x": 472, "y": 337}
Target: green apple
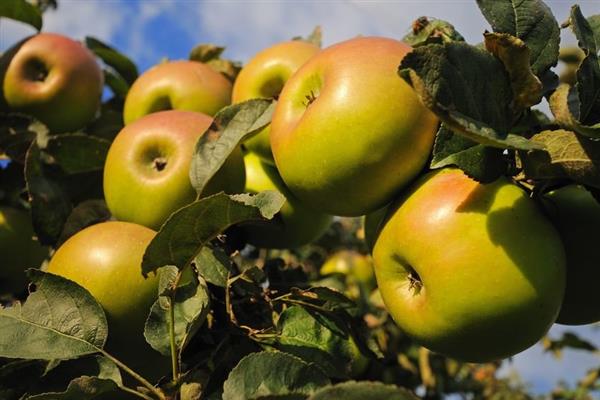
{"x": 177, "y": 85}
{"x": 18, "y": 248}
{"x": 347, "y": 133}
{"x": 106, "y": 260}
{"x": 576, "y": 215}
{"x": 264, "y": 77}
{"x": 146, "y": 174}
{"x": 56, "y": 80}
{"x": 356, "y": 266}
{"x": 372, "y": 224}
{"x": 299, "y": 224}
{"x": 472, "y": 271}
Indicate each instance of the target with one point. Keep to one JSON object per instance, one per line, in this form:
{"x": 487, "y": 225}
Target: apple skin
{"x": 55, "y": 79}
{"x": 300, "y": 224}
{"x": 356, "y": 266}
{"x": 177, "y": 85}
{"x": 106, "y": 260}
{"x": 576, "y": 215}
{"x": 18, "y": 248}
{"x": 372, "y": 224}
{"x": 146, "y": 174}
{"x": 264, "y": 77}
{"x": 472, "y": 271}
{"x": 348, "y": 133}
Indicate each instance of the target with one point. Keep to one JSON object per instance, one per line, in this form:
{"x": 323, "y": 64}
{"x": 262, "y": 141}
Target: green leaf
{"x": 514, "y": 54}
{"x": 562, "y": 102}
{"x": 210, "y": 55}
{"x": 483, "y": 163}
{"x": 230, "y": 127}
{"x": 120, "y": 63}
{"x": 86, "y": 213}
{"x": 315, "y": 37}
{"x": 352, "y": 390}
{"x": 272, "y": 375}
{"x": 594, "y": 22}
{"x": 76, "y": 153}
{"x": 116, "y": 83}
{"x": 16, "y": 135}
{"x": 588, "y": 74}
{"x": 62, "y": 171}
{"x": 532, "y": 22}
{"x": 306, "y": 336}
{"x": 566, "y": 156}
{"x": 568, "y": 340}
{"x": 59, "y": 320}
{"x": 21, "y": 10}
{"x": 213, "y": 265}
{"x": 190, "y": 228}
{"x": 84, "y": 387}
{"x": 456, "y": 81}
{"x": 50, "y": 204}
{"x": 427, "y": 31}
{"x": 190, "y": 309}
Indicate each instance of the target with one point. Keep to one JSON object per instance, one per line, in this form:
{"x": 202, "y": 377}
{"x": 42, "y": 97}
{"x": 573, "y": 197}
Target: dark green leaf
{"x": 210, "y": 55}
{"x": 594, "y": 22}
{"x": 192, "y": 227}
{"x": 190, "y": 310}
{"x": 76, "y": 153}
{"x": 588, "y": 74}
{"x": 213, "y": 265}
{"x": 50, "y": 204}
{"x": 87, "y": 213}
{"x": 455, "y": 81}
{"x": 21, "y": 10}
{"x": 566, "y": 156}
{"x": 569, "y": 340}
{"x": 532, "y": 22}
{"x": 272, "y": 375}
{"x": 303, "y": 334}
{"x": 111, "y": 57}
{"x": 352, "y": 390}
{"x": 84, "y": 387}
{"x": 426, "y": 31}
{"x": 514, "y": 54}
{"x": 16, "y": 377}
{"x": 482, "y": 163}
{"x": 59, "y": 320}
{"x": 116, "y": 83}
{"x": 230, "y": 127}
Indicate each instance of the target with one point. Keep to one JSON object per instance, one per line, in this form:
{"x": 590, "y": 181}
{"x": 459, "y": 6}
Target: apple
{"x": 264, "y": 77}
{"x": 472, "y": 271}
{"x": 177, "y": 85}
{"x": 347, "y": 133}
{"x": 300, "y": 224}
{"x": 146, "y": 173}
{"x": 18, "y": 248}
{"x": 576, "y": 215}
{"x": 56, "y": 80}
{"x": 106, "y": 260}
{"x": 357, "y": 267}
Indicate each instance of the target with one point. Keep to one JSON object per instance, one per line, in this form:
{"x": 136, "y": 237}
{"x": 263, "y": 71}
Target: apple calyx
{"x": 310, "y": 98}
{"x": 36, "y": 71}
{"x": 415, "y": 284}
{"x": 159, "y": 163}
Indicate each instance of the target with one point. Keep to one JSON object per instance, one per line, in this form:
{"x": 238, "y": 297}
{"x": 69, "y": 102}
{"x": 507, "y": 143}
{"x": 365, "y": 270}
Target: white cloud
{"x": 73, "y": 18}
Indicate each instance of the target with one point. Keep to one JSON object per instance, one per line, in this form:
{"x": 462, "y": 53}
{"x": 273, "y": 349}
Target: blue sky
{"x": 150, "y": 30}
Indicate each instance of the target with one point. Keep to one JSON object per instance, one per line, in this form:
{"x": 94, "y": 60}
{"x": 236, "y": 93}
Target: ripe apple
{"x": 106, "y": 260}
{"x": 356, "y": 266}
{"x": 55, "y": 79}
{"x": 264, "y": 77}
{"x": 18, "y": 248}
{"x": 347, "y": 133}
{"x": 372, "y": 224}
{"x": 146, "y": 174}
{"x": 177, "y": 85}
{"x": 472, "y": 271}
{"x": 300, "y": 224}
{"x": 576, "y": 215}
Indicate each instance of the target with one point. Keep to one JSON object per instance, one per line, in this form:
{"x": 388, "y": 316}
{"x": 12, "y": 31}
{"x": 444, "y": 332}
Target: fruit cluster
{"x": 459, "y": 263}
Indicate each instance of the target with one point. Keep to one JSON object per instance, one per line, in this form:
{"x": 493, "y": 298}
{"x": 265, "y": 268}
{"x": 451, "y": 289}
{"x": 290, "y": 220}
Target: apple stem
{"x": 156, "y": 391}
{"x": 415, "y": 282}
